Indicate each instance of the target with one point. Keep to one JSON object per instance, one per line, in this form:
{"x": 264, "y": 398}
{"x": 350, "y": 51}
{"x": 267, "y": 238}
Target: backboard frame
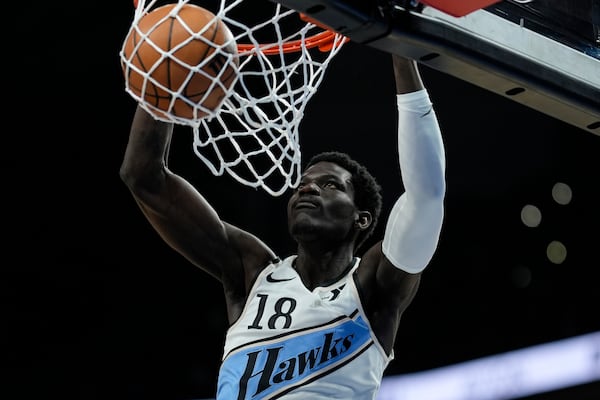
{"x": 462, "y": 47}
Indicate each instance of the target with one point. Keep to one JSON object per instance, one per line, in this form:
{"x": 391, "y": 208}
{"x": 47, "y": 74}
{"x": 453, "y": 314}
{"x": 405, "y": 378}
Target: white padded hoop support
{"x": 254, "y": 135}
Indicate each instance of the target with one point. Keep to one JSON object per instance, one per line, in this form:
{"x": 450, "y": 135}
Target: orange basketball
{"x": 167, "y": 50}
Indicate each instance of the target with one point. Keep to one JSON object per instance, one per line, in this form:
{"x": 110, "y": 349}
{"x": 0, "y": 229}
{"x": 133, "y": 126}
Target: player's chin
{"x": 302, "y": 225}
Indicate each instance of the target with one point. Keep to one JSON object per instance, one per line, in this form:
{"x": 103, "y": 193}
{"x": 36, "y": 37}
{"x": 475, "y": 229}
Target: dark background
{"x": 99, "y": 307}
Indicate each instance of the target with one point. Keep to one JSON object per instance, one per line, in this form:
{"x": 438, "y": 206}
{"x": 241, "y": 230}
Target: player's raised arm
{"x": 177, "y": 211}
{"x": 414, "y": 225}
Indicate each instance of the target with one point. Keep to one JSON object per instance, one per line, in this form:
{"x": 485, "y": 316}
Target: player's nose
{"x": 309, "y": 188}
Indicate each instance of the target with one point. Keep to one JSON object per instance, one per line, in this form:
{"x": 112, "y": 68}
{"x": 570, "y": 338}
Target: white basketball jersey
{"x": 293, "y": 343}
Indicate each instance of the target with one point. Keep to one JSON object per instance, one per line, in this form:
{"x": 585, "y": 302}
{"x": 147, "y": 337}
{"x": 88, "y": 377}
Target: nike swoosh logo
{"x": 274, "y": 280}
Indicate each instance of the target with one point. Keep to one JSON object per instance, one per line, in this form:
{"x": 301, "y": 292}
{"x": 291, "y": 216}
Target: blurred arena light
{"x": 533, "y": 370}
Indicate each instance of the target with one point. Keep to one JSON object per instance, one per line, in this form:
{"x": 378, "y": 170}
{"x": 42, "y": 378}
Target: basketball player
{"x": 321, "y": 323}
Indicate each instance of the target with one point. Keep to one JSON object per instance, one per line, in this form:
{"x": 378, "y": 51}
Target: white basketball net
{"x": 254, "y": 135}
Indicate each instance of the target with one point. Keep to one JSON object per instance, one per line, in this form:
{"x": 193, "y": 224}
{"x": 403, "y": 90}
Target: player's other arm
{"x": 414, "y": 225}
{"x": 178, "y": 212}
{"x": 393, "y": 267}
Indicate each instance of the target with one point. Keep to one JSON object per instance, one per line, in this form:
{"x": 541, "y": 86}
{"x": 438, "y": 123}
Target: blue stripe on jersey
{"x": 274, "y": 366}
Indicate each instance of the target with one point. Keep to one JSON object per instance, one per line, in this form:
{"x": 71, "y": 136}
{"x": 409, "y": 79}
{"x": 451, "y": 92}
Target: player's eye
{"x": 331, "y": 185}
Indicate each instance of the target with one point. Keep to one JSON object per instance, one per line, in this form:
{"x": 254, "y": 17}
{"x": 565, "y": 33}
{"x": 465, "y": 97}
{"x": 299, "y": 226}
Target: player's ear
{"x": 364, "y": 220}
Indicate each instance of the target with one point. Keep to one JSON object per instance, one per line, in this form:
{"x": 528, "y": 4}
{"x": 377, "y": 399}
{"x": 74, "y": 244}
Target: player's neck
{"x": 322, "y": 269}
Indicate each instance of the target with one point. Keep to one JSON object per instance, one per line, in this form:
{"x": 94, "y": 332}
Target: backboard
{"x": 544, "y": 54}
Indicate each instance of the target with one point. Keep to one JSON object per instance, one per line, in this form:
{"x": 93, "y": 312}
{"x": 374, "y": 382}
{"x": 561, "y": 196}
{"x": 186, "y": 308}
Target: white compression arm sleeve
{"x": 414, "y": 225}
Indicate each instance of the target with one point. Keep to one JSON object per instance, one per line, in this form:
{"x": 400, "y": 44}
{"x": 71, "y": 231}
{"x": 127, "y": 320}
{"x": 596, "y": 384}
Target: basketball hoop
{"x": 283, "y": 55}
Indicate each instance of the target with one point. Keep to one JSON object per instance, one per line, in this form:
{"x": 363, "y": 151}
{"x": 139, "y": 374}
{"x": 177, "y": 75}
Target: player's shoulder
{"x": 372, "y": 257}
{"x": 368, "y": 264}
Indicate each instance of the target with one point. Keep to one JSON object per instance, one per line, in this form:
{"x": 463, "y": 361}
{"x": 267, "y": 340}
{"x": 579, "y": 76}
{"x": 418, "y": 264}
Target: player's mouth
{"x": 305, "y": 205}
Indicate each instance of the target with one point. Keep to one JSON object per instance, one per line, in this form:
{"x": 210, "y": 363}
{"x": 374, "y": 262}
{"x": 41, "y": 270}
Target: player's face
{"x": 322, "y": 207}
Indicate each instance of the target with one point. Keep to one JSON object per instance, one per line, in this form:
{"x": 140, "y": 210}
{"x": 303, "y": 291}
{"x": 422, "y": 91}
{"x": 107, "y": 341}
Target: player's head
{"x": 367, "y": 192}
